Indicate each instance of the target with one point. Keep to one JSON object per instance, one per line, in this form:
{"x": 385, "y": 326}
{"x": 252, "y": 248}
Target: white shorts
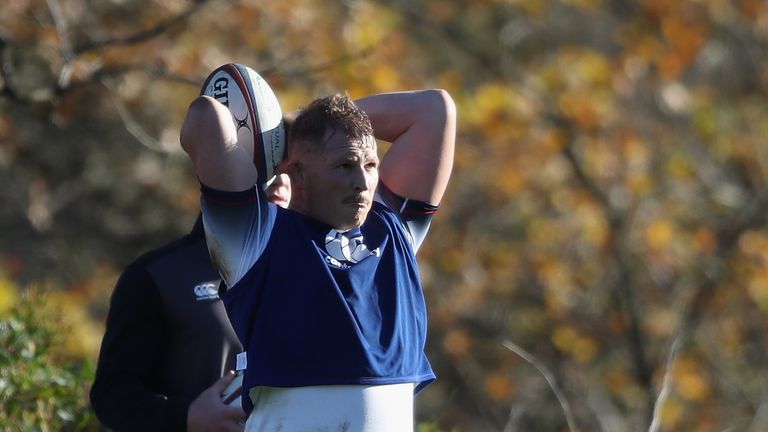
{"x": 342, "y": 408}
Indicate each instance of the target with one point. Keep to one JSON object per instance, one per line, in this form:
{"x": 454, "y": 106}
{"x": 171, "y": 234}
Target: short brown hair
{"x": 330, "y": 113}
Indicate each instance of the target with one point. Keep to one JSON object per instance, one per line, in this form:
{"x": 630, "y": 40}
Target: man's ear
{"x": 295, "y": 171}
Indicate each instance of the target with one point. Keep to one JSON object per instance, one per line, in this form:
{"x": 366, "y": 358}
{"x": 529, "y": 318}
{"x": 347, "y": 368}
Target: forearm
{"x": 421, "y": 125}
{"x": 394, "y": 114}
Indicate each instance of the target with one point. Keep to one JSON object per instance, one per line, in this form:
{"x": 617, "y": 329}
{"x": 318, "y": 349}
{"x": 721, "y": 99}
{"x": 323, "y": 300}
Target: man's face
{"x": 340, "y": 181}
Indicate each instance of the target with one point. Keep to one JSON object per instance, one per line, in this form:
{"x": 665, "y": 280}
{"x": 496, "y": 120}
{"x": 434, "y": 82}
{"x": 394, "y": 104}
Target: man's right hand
{"x": 207, "y": 413}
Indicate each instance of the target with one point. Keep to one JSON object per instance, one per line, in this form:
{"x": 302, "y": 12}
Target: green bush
{"x": 39, "y": 389}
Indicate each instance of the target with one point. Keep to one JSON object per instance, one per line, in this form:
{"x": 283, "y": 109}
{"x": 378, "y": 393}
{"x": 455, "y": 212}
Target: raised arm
{"x": 225, "y": 165}
{"x": 421, "y": 125}
{"x": 209, "y": 137}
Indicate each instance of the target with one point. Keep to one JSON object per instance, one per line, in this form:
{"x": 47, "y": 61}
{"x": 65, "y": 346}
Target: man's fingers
{"x": 235, "y": 413}
{"x": 221, "y": 384}
{"x": 232, "y": 427}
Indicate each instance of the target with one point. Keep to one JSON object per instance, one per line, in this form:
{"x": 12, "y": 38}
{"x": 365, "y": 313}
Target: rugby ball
{"x": 232, "y": 395}
{"x": 255, "y": 111}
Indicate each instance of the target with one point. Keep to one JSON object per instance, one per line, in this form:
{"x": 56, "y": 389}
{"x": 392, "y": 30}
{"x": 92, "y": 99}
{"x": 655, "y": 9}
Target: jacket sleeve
{"x": 126, "y": 393}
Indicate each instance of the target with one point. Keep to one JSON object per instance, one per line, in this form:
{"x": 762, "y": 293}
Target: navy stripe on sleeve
{"x": 229, "y": 198}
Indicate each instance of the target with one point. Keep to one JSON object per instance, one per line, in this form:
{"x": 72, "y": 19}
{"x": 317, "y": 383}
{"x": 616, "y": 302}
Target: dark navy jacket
{"x": 167, "y": 339}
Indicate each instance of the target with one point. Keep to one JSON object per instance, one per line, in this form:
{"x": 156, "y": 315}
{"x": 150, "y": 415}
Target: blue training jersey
{"x": 307, "y": 318}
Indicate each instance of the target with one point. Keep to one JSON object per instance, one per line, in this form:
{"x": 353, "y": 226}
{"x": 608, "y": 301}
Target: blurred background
{"x": 598, "y": 262}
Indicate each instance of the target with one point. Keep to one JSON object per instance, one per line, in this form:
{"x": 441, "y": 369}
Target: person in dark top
{"x": 169, "y": 349}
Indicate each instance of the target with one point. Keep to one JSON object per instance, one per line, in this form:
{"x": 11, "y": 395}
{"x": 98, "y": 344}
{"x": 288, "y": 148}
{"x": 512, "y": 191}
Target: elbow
{"x": 443, "y": 99}
{"x": 200, "y": 121}
{"x": 190, "y": 128}
{"x": 442, "y": 103}
{"x": 446, "y": 107}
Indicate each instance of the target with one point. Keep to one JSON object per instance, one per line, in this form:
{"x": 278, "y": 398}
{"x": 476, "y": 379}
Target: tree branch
{"x": 143, "y": 35}
{"x": 5, "y": 87}
{"x": 549, "y": 377}
{"x": 623, "y": 287}
{"x": 752, "y": 215}
{"x": 131, "y": 125}
{"x": 666, "y": 387}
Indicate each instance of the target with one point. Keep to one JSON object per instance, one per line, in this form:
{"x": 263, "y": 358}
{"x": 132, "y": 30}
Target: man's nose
{"x": 360, "y": 179}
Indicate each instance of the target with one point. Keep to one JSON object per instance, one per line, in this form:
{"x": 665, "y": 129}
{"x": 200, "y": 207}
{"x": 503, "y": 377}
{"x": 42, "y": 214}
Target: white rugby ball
{"x": 255, "y": 111}
{"x": 232, "y": 395}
